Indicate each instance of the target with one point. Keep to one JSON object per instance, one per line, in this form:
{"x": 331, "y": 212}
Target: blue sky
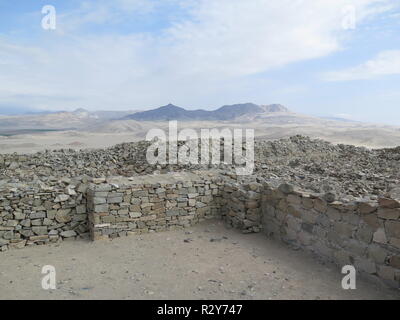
{"x": 139, "y": 54}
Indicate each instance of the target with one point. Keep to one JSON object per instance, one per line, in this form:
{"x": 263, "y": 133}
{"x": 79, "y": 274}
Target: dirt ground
{"x": 207, "y": 261}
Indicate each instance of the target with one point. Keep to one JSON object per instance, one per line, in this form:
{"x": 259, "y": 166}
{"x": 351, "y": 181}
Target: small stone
{"x": 394, "y": 261}
{"x": 365, "y": 265}
{"x": 70, "y": 190}
{"x": 389, "y": 214}
{"x": 366, "y": 208}
{"x": 68, "y": 234}
{"x": 286, "y": 188}
{"x": 388, "y": 203}
{"x": 40, "y": 230}
{"x": 330, "y": 197}
{"x": 61, "y": 198}
{"x": 380, "y": 236}
{"x": 63, "y": 216}
{"x": 393, "y": 229}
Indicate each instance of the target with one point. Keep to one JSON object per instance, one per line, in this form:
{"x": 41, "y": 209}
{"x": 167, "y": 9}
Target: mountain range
{"x": 225, "y": 113}
{"x": 127, "y": 121}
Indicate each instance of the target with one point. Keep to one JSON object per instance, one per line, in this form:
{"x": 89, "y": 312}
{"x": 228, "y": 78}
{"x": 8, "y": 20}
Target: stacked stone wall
{"x": 363, "y": 234}
{"x": 241, "y": 205}
{"x": 139, "y": 207}
{"x": 39, "y": 214}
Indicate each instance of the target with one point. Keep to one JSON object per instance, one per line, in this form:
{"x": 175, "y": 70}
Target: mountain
{"x": 168, "y": 112}
{"x": 225, "y": 113}
{"x": 275, "y": 108}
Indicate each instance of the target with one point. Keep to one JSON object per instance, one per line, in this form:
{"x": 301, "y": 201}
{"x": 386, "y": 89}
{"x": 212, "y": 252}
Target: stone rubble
{"x": 313, "y": 165}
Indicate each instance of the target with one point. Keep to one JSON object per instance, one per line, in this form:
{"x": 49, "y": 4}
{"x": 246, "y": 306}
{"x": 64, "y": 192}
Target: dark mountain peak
{"x": 167, "y": 112}
{"x": 225, "y": 113}
{"x": 230, "y": 112}
{"x": 170, "y": 106}
{"x": 245, "y": 107}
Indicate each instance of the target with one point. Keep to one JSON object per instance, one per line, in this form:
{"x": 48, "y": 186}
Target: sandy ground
{"x": 207, "y": 261}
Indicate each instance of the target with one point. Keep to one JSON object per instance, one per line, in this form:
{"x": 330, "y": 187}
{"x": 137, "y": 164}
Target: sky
{"x": 320, "y": 57}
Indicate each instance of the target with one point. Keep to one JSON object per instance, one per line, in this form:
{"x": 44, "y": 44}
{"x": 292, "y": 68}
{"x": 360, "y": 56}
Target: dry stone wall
{"x": 151, "y": 204}
{"x": 363, "y": 234}
{"x": 37, "y": 214}
{"x": 241, "y": 205}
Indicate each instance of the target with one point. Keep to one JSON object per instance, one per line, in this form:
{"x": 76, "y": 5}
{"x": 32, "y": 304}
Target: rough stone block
{"x": 101, "y": 208}
{"x": 372, "y": 220}
{"x": 389, "y": 203}
{"x": 394, "y": 261}
{"x": 343, "y": 257}
{"x": 386, "y": 272}
{"x": 389, "y": 214}
{"x": 356, "y": 247}
{"x": 308, "y": 203}
{"x": 393, "y": 228}
{"x": 333, "y": 214}
{"x": 366, "y": 208}
{"x": 320, "y": 205}
{"x": 98, "y": 200}
{"x": 40, "y": 230}
{"x": 380, "y": 236}
{"x": 63, "y": 216}
{"x": 365, "y": 265}
{"x": 343, "y": 229}
{"x": 365, "y": 234}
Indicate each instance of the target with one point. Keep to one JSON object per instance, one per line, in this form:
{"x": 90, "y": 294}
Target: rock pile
{"x": 314, "y": 165}
{"x": 340, "y": 170}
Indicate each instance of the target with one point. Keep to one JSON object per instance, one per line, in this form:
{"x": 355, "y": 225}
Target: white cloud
{"x": 385, "y": 63}
{"x": 206, "y": 53}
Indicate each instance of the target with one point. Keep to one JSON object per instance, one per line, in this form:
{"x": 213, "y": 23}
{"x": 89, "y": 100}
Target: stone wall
{"x": 363, "y": 234}
{"x": 37, "y": 213}
{"x": 241, "y": 205}
{"x": 151, "y": 203}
